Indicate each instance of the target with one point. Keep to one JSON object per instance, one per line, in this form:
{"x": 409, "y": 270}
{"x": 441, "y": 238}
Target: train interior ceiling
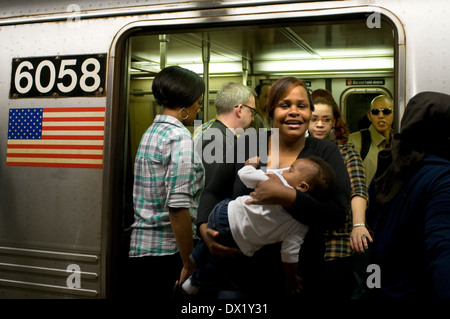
{"x": 349, "y": 58}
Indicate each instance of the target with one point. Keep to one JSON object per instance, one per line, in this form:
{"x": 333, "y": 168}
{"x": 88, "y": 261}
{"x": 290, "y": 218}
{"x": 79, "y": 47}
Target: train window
{"x": 358, "y": 103}
{"x": 326, "y": 54}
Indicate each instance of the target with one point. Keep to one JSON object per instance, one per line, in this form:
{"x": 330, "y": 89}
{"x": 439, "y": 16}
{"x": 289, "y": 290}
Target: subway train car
{"x": 75, "y": 99}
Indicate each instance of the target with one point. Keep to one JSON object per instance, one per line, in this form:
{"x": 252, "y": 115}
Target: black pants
{"x": 153, "y": 277}
{"x": 338, "y": 280}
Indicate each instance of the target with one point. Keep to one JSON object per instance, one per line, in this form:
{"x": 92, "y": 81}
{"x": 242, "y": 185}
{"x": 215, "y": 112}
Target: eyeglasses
{"x": 320, "y": 118}
{"x": 251, "y": 109}
{"x": 385, "y": 111}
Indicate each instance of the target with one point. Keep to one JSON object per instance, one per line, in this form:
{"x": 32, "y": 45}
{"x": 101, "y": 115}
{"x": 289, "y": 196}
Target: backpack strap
{"x": 365, "y": 142}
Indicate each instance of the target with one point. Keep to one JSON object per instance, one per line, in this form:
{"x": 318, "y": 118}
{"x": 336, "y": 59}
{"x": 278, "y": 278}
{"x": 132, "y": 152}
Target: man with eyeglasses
{"x": 379, "y": 134}
{"x": 235, "y": 106}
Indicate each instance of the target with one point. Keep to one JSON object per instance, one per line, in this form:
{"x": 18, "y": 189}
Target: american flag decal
{"x": 56, "y": 137}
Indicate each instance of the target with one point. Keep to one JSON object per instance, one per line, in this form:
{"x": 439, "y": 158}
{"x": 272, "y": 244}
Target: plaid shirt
{"x": 167, "y": 173}
{"x": 199, "y": 130}
{"x": 337, "y": 242}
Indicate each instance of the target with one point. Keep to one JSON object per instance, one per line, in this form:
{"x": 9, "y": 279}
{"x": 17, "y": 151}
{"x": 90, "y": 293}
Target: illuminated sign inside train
{"x": 58, "y": 76}
{"x": 365, "y": 82}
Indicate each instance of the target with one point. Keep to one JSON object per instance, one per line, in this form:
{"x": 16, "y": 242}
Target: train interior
{"x": 345, "y": 55}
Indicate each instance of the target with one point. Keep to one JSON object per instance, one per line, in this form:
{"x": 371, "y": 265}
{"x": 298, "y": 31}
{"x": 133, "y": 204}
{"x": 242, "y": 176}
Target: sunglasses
{"x": 386, "y": 111}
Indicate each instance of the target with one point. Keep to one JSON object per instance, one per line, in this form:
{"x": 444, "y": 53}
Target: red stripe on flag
{"x": 72, "y": 128}
{"x": 66, "y": 165}
{"x": 75, "y": 109}
{"x": 31, "y": 155}
{"x": 49, "y": 147}
{"x": 71, "y": 137}
{"x": 73, "y": 119}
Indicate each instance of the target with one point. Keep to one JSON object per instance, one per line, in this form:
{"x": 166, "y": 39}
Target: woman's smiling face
{"x": 292, "y": 114}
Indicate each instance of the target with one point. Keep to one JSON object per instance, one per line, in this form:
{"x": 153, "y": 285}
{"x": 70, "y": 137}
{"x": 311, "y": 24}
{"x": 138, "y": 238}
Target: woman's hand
{"x": 359, "y": 239}
{"x": 186, "y": 272}
{"x": 209, "y": 236}
{"x": 293, "y": 282}
{"x": 272, "y": 192}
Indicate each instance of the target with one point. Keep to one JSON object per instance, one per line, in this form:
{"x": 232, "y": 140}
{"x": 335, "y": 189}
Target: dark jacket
{"x": 412, "y": 235}
{"x": 409, "y": 203}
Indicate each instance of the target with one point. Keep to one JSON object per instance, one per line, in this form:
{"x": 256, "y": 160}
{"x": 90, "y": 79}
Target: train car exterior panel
{"x": 52, "y": 216}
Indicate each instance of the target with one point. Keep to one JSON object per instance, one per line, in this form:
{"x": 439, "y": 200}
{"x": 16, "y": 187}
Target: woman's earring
{"x": 187, "y": 113}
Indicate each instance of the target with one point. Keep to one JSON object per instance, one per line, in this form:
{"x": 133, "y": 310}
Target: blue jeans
{"x": 211, "y": 270}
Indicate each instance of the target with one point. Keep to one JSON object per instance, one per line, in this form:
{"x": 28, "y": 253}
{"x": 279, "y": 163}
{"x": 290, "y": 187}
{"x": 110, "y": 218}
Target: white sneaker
{"x": 189, "y": 288}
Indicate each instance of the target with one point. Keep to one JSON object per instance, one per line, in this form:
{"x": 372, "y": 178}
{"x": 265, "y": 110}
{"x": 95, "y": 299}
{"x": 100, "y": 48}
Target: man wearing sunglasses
{"x": 379, "y": 134}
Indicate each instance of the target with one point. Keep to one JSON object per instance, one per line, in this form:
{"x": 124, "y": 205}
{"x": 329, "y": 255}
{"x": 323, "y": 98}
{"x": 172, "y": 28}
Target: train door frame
{"x": 115, "y": 170}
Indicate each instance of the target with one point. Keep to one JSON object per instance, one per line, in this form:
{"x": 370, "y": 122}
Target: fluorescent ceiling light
{"x": 324, "y": 65}
{"x": 288, "y": 66}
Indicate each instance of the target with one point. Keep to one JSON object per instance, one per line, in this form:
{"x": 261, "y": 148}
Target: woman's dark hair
{"x": 175, "y": 86}
{"x": 322, "y": 96}
{"x": 280, "y": 89}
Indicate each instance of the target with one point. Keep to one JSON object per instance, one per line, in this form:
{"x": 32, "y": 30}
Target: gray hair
{"x": 230, "y": 95}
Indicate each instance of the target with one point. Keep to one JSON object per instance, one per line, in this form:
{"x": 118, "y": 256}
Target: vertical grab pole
{"x": 245, "y": 66}
{"x": 206, "y": 55}
{"x": 163, "y": 41}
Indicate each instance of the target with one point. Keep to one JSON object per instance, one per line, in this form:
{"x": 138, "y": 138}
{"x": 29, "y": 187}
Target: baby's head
{"x": 311, "y": 174}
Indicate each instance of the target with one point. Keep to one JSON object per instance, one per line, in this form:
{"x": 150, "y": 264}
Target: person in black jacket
{"x": 409, "y": 205}
{"x": 289, "y": 107}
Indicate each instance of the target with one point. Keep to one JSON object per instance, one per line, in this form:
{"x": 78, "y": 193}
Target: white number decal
{"x": 74, "y": 75}
{"x": 90, "y": 74}
{"x": 37, "y": 76}
{"x": 21, "y": 75}
{"x": 63, "y": 72}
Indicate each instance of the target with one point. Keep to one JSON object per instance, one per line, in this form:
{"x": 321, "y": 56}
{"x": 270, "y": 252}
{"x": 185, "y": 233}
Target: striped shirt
{"x": 167, "y": 173}
{"x": 337, "y": 242}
